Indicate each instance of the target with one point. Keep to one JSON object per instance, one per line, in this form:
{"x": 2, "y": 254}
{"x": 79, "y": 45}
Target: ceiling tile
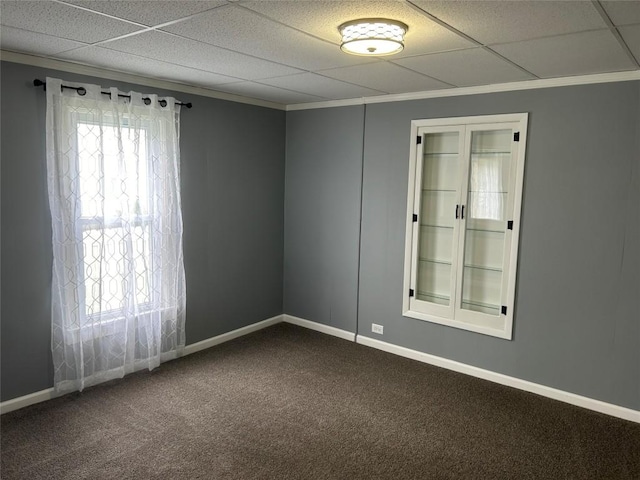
{"x": 266, "y": 92}
{"x": 385, "y": 77}
{"x": 125, "y": 62}
{"x": 623, "y": 13}
{"x": 18, "y": 40}
{"x": 313, "y": 84}
{"x": 192, "y": 76}
{"x": 465, "y": 68}
{"x": 247, "y": 32}
{"x": 189, "y": 53}
{"x": 149, "y": 12}
{"x": 287, "y": 51}
{"x": 631, "y": 36}
{"x": 492, "y": 22}
{"x": 575, "y": 54}
{"x": 322, "y": 18}
{"x": 62, "y": 21}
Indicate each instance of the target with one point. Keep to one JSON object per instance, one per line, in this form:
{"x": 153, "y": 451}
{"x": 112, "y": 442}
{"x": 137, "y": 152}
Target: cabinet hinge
{"x": 419, "y": 139}
{"x": 411, "y": 292}
{"x": 504, "y": 310}
{"x": 510, "y": 224}
{"x": 516, "y": 136}
{"x": 415, "y": 217}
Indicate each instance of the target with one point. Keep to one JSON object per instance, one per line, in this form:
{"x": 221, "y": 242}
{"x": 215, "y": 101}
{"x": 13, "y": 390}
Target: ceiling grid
{"x": 288, "y": 51}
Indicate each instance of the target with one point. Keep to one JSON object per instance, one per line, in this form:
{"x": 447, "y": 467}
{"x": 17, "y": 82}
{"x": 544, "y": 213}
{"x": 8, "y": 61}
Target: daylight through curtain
{"x": 118, "y": 288}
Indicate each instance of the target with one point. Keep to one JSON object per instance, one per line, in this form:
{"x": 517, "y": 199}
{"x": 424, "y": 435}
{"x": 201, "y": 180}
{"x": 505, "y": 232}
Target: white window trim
{"x": 484, "y": 325}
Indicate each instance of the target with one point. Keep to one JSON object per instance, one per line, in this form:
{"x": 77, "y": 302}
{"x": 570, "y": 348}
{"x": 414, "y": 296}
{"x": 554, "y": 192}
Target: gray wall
{"x": 232, "y": 177}
{"x": 322, "y": 215}
{"x": 577, "y": 311}
{"x": 577, "y": 315}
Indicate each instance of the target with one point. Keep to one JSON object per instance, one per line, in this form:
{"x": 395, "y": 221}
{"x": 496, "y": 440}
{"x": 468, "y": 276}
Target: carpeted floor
{"x": 290, "y": 403}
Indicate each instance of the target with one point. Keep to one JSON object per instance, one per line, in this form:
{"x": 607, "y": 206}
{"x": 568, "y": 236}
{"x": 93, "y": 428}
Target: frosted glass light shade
{"x": 372, "y": 36}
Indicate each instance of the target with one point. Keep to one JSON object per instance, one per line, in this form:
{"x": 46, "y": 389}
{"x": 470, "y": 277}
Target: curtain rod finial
{"x": 38, "y": 83}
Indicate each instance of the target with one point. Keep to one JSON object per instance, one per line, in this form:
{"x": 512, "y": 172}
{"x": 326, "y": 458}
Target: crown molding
{"x": 81, "y": 69}
{"x": 481, "y": 89}
{"x": 348, "y": 102}
{"x": 65, "y": 66}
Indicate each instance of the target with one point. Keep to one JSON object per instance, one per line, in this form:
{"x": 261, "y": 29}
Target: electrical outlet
{"x": 377, "y": 328}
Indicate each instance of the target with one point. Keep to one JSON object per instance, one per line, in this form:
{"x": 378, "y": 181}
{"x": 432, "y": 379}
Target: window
{"x": 114, "y": 187}
{"x": 465, "y": 184}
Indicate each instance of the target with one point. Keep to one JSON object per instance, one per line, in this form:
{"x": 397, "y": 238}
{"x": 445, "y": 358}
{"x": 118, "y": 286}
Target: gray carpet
{"x": 289, "y": 403}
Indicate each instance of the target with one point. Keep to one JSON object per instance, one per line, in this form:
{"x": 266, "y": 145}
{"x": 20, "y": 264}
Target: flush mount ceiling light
{"x": 372, "y": 36}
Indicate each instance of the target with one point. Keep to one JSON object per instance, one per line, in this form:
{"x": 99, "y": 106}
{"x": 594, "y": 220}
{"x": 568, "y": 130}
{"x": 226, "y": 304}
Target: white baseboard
{"x": 319, "y": 327}
{"x": 572, "y": 398}
{"x": 49, "y": 393}
{"x": 566, "y": 397}
{"x": 225, "y": 337}
{"x": 26, "y": 400}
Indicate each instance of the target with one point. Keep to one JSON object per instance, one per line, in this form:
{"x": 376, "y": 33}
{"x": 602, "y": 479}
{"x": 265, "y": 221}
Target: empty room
{"x": 332, "y": 239}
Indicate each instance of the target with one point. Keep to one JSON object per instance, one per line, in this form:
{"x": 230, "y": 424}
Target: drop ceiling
{"x": 287, "y": 51}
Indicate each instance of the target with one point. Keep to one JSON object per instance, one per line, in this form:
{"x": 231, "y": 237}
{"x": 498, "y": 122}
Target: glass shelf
{"x": 444, "y": 190}
{"x": 488, "y": 191}
{"x": 489, "y": 152}
{"x": 482, "y": 267}
{"x": 481, "y": 307}
{"x": 485, "y": 230}
{"x": 428, "y": 225}
{"x": 441, "y": 262}
{"x": 433, "y": 298}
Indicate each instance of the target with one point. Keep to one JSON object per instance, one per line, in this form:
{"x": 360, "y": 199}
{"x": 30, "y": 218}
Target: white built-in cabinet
{"x": 463, "y": 220}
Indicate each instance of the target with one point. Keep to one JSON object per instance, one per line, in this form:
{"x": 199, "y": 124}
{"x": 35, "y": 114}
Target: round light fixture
{"x": 372, "y": 36}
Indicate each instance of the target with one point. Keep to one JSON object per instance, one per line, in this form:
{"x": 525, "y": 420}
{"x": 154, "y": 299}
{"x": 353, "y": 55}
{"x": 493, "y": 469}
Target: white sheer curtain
{"x": 118, "y": 293}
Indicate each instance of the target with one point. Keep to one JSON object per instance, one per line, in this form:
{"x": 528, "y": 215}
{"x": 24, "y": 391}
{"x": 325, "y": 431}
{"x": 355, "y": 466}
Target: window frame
{"x": 453, "y": 315}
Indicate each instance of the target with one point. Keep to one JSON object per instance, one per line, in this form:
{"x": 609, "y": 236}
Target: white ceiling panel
{"x": 623, "y": 12}
{"x": 464, "y": 68}
{"x": 385, "y": 77}
{"x": 38, "y": 43}
{"x": 576, "y": 54}
{"x": 313, "y": 84}
{"x": 269, "y": 93}
{"x": 149, "y": 12}
{"x": 192, "y": 76}
{"x": 125, "y": 62}
{"x": 322, "y": 18}
{"x": 492, "y": 22}
{"x": 189, "y": 53}
{"x": 62, "y": 21}
{"x": 631, "y": 36}
{"x": 288, "y": 51}
{"x": 247, "y": 32}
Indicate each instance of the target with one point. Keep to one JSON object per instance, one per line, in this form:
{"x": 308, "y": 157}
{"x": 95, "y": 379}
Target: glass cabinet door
{"x": 485, "y": 220}
{"x": 438, "y": 197}
{"x": 463, "y": 220}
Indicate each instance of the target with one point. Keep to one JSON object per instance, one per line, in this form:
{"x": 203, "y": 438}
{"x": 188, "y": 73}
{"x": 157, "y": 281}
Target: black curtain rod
{"x": 83, "y": 91}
